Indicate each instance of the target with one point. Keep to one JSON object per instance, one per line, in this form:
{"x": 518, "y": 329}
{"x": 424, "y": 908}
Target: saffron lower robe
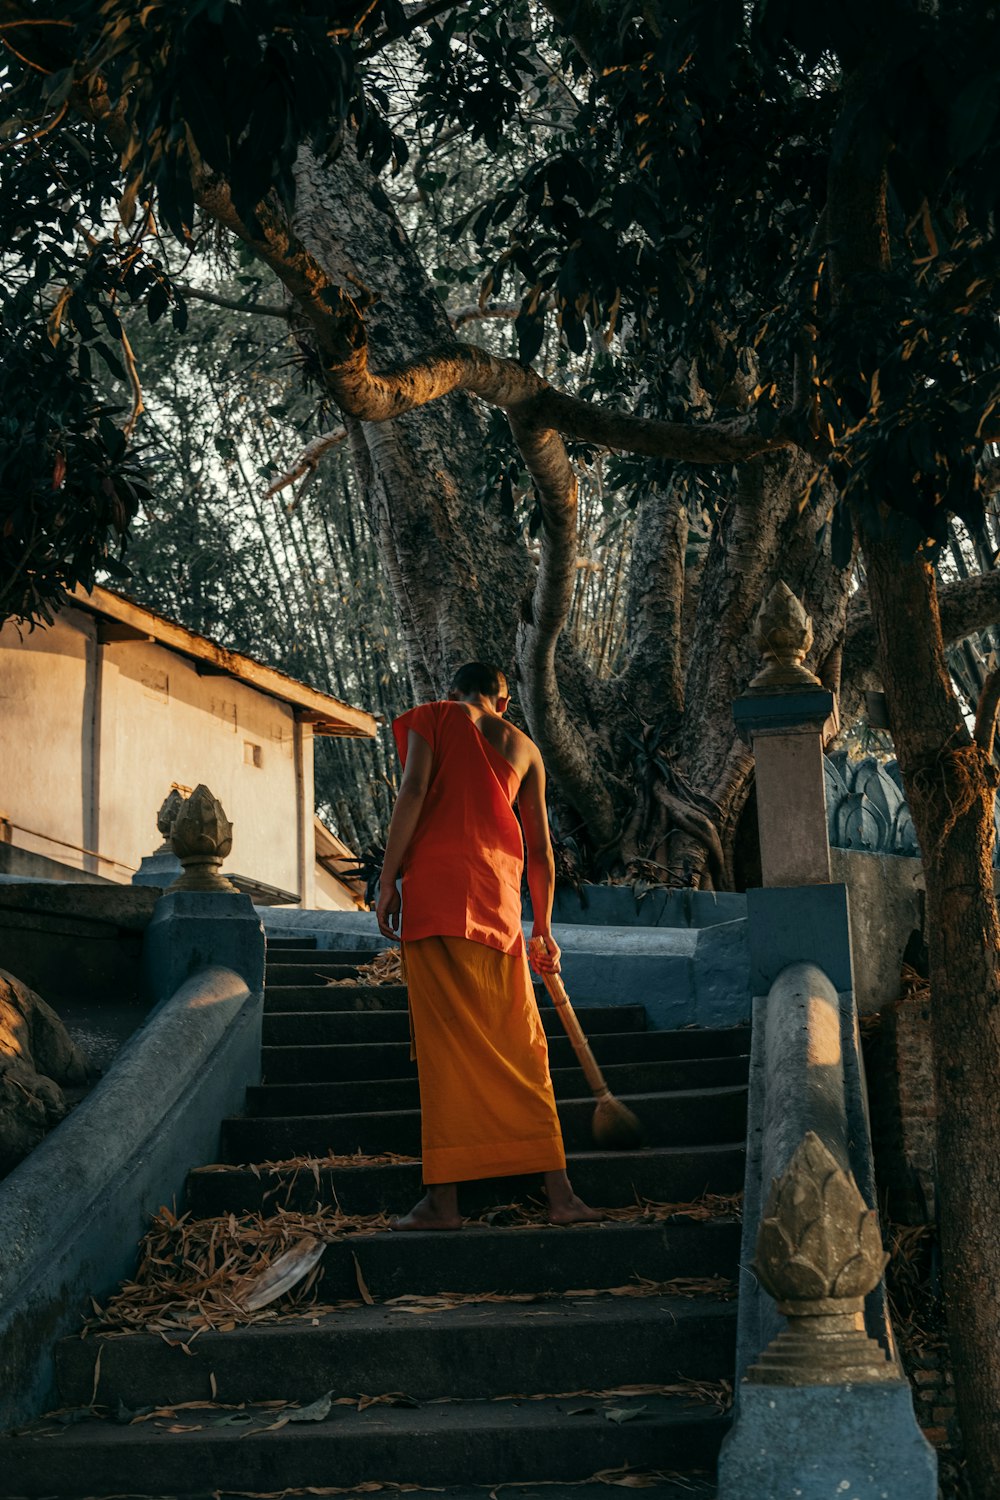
{"x": 486, "y": 1100}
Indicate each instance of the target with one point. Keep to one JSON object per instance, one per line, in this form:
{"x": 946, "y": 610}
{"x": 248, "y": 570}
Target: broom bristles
{"x": 615, "y": 1126}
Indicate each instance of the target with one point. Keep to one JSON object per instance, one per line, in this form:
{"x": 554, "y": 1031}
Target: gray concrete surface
{"x": 806, "y": 924}
{"x": 805, "y": 1074}
{"x": 71, "y": 1215}
{"x": 160, "y": 869}
{"x": 74, "y": 941}
{"x": 191, "y": 929}
{"x": 887, "y": 900}
{"x": 620, "y": 906}
{"x": 684, "y": 976}
{"x": 833, "y": 1442}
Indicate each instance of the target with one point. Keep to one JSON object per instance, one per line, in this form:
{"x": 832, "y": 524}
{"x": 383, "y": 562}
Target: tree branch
{"x": 553, "y": 730}
{"x": 986, "y": 712}
{"x": 306, "y": 462}
{"x": 475, "y": 313}
{"x": 234, "y": 304}
{"x": 968, "y": 605}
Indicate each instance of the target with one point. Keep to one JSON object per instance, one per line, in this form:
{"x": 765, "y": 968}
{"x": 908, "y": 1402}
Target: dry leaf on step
{"x": 282, "y": 1274}
{"x": 366, "y": 1295}
{"x": 621, "y": 1414}
{"x": 316, "y": 1411}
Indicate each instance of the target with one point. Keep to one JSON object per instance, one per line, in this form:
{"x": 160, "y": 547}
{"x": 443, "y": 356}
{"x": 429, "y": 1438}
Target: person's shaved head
{"x": 479, "y": 679}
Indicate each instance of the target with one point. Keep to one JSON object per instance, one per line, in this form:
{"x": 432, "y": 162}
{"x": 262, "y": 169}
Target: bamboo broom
{"x": 614, "y": 1125}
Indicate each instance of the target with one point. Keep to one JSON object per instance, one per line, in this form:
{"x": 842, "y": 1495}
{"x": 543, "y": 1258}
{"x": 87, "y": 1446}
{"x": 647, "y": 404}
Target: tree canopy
{"x": 755, "y": 244}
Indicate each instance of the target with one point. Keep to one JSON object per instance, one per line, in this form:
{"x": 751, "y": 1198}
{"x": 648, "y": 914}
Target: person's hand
{"x": 543, "y": 953}
{"x": 387, "y": 911}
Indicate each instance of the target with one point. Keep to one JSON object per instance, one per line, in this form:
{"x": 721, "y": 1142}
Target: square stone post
{"x": 787, "y": 731}
{"x": 785, "y": 716}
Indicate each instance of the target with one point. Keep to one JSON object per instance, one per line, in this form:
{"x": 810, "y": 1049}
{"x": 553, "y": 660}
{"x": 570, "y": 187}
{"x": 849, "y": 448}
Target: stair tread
{"x": 311, "y": 1097}
{"x": 371, "y": 1321}
{"x": 361, "y": 1060}
{"x": 382, "y": 1444}
{"x": 668, "y": 1117}
{"x": 622, "y": 1158}
{"x": 606, "y": 1179}
{"x": 475, "y": 1350}
{"x": 710, "y": 1091}
{"x": 463, "y": 1363}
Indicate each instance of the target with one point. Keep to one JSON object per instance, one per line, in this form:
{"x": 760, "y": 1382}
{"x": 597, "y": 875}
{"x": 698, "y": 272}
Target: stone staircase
{"x": 477, "y": 1390}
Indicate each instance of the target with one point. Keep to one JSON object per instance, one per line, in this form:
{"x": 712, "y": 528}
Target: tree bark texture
{"x": 419, "y": 474}
{"x": 950, "y": 785}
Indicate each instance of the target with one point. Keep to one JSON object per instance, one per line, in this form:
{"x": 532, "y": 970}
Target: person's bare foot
{"x": 434, "y": 1211}
{"x": 564, "y": 1206}
{"x": 573, "y": 1210}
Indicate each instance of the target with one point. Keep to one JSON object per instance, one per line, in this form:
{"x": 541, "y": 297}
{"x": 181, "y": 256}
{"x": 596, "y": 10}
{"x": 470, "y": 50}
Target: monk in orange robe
{"x": 486, "y": 1100}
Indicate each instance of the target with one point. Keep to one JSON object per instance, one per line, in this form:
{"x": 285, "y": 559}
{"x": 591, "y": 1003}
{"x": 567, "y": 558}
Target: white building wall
{"x": 129, "y": 719}
{"x": 44, "y": 759}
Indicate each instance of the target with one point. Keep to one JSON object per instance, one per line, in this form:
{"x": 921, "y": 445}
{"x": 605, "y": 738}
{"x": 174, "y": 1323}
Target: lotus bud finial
{"x": 783, "y": 635}
{"x": 819, "y": 1253}
{"x": 167, "y": 817}
{"x": 201, "y": 838}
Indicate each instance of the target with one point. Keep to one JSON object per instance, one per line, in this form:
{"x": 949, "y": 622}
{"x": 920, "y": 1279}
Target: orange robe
{"x": 486, "y": 1100}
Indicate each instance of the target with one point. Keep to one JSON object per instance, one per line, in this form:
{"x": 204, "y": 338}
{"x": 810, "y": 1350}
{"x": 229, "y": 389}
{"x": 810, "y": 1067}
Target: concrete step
{"x": 607, "y": 1179}
{"x": 372, "y": 1059}
{"x": 682, "y": 1118}
{"x": 291, "y": 943}
{"x": 314, "y": 999}
{"x": 456, "y": 1443}
{"x": 331, "y": 1028}
{"x": 298, "y": 953}
{"x": 478, "y": 1351}
{"x": 309, "y": 976}
{"x": 363, "y": 1096}
{"x": 536, "y": 1259}
{"x": 279, "y": 998}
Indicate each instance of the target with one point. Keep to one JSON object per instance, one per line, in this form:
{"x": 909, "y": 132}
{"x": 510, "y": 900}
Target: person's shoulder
{"x": 424, "y": 709}
{"x": 525, "y": 746}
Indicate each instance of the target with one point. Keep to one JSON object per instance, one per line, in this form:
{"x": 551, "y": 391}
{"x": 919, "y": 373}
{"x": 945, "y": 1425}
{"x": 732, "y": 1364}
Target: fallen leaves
{"x": 367, "y": 1487}
{"x": 193, "y": 1273}
{"x": 620, "y": 1414}
{"x": 200, "y": 1274}
{"x": 281, "y": 1275}
{"x": 366, "y": 1295}
{"x": 385, "y": 968}
{"x": 533, "y": 1215}
{"x": 623, "y": 1478}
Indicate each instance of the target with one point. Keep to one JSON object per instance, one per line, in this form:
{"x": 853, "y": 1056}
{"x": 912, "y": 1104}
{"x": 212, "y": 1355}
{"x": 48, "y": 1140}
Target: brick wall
{"x": 899, "y": 1060}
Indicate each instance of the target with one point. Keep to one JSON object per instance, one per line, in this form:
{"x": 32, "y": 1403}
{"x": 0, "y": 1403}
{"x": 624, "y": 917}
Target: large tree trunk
{"x": 950, "y": 785}
{"x": 457, "y": 569}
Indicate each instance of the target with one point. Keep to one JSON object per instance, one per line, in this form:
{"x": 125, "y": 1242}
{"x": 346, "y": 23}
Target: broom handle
{"x": 574, "y": 1031}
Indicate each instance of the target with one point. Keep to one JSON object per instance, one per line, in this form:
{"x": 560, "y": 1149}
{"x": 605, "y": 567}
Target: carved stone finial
{"x": 783, "y": 634}
{"x": 819, "y": 1253}
{"x": 201, "y": 838}
{"x": 166, "y": 818}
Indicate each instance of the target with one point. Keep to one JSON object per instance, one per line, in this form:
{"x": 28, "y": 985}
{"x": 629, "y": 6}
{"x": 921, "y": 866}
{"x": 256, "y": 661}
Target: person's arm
{"x": 541, "y": 865}
{"x": 402, "y": 826}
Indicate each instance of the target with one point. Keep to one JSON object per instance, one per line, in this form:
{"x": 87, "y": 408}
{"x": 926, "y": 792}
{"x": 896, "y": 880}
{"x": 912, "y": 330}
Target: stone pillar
{"x": 162, "y": 867}
{"x": 202, "y": 921}
{"x": 786, "y": 716}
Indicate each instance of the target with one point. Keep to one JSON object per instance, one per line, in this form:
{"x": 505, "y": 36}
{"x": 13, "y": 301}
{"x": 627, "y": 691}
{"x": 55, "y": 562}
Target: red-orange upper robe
{"x": 462, "y": 869}
{"x": 486, "y": 1101}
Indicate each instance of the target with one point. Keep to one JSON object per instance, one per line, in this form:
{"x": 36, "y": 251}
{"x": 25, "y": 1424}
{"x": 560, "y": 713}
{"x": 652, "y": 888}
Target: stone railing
{"x": 866, "y": 807}
{"x": 822, "y": 1406}
{"x": 72, "y": 1212}
{"x": 822, "y": 1400}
